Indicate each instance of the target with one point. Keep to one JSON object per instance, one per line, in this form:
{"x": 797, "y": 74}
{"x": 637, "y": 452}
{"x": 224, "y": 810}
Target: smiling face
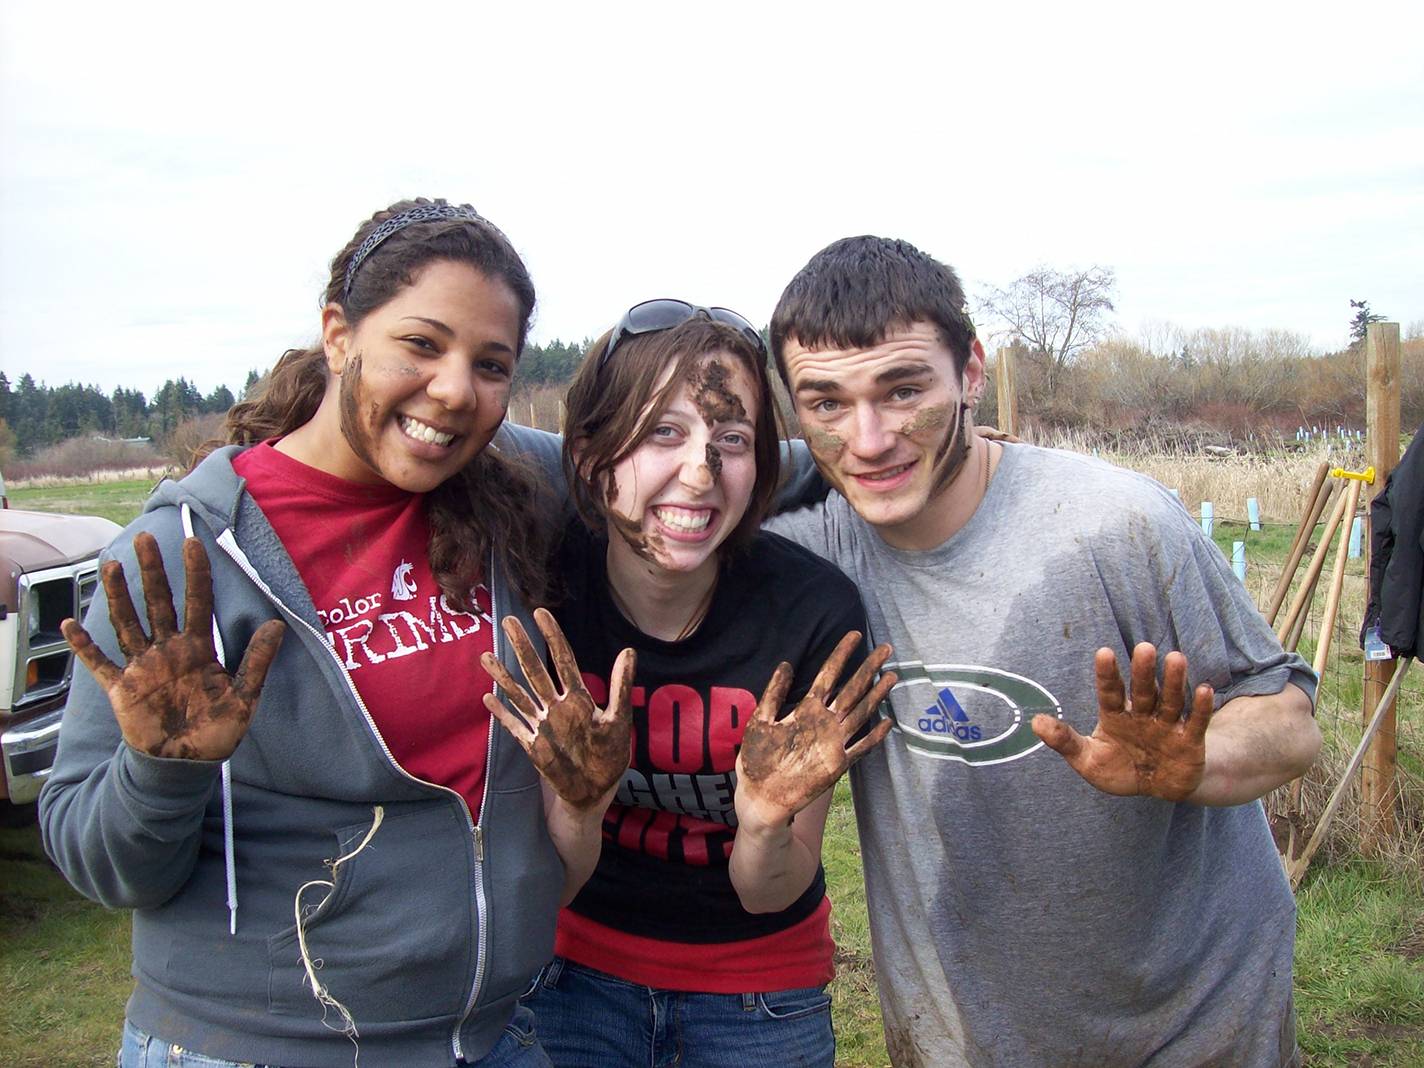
{"x": 890, "y": 428}
{"x": 675, "y": 498}
{"x": 419, "y": 386}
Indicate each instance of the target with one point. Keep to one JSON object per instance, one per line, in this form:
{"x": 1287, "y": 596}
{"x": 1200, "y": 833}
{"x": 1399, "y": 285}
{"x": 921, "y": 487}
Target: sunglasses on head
{"x": 653, "y": 315}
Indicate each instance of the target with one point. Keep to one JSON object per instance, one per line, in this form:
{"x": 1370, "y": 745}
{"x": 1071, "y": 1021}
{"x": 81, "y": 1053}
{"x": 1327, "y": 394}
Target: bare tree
{"x": 1055, "y": 313}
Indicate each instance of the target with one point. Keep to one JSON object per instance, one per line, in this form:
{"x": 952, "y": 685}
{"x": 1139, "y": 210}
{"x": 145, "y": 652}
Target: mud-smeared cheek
{"x": 927, "y": 420}
{"x": 644, "y": 543}
{"x": 350, "y": 408}
{"x": 712, "y": 395}
{"x": 714, "y": 462}
{"x": 822, "y": 442}
{"x": 953, "y": 451}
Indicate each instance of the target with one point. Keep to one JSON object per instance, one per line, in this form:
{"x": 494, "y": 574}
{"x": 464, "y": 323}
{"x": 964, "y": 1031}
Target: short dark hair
{"x": 612, "y": 407}
{"x": 857, "y": 290}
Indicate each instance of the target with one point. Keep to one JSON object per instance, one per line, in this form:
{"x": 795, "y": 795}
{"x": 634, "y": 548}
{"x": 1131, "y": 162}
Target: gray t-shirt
{"x": 1021, "y": 918}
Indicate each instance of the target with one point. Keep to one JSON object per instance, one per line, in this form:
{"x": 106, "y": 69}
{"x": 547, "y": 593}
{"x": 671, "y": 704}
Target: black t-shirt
{"x": 669, "y": 832}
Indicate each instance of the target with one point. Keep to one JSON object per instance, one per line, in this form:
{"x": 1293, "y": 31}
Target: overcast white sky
{"x": 174, "y": 178}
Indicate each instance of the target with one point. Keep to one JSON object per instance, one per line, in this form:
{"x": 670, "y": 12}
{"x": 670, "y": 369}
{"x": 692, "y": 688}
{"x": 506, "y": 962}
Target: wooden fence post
{"x": 1377, "y": 777}
{"x": 1006, "y": 383}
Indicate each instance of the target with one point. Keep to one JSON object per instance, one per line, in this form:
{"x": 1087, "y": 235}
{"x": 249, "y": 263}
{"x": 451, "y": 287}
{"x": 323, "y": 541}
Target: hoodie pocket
{"x": 391, "y": 939}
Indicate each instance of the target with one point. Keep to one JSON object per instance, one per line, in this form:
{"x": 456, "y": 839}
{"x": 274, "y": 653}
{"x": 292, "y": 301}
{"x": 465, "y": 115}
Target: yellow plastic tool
{"x": 1366, "y": 476}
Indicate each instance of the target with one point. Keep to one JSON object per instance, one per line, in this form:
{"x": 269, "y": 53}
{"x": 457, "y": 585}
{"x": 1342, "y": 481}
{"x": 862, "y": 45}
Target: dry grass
{"x": 1280, "y": 482}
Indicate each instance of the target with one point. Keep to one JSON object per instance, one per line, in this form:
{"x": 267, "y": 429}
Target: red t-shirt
{"x": 363, "y": 553}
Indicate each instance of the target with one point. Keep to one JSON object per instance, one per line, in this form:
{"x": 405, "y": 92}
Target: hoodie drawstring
{"x": 228, "y": 857}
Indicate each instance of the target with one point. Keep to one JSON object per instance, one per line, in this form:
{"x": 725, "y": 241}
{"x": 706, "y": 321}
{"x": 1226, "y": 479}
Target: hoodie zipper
{"x": 229, "y": 545}
{"x": 482, "y": 917}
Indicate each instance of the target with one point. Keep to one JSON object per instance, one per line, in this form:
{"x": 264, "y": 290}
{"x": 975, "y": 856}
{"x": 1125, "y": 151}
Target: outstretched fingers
{"x": 848, "y": 702}
{"x": 1061, "y": 737}
{"x": 559, "y": 651}
{"x": 261, "y": 651}
{"x": 198, "y": 596}
{"x": 866, "y": 707}
{"x": 517, "y": 694}
{"x": 774, "y": 696}
{"x": 122, "y": 616}
{"x": 1112, "y": 695}
{"x": 90, "y": 655}
{"x": 831, "y": 670}
{"x": 1203, "y": 705}
{"x": 1145, "y": 694}
{"x": 157, "y": 594}
{"x": 530, "y": 661}
{"x": 869, "y": 742}
{"x": 512, "y": 723}
{"x": 620, "y": 688}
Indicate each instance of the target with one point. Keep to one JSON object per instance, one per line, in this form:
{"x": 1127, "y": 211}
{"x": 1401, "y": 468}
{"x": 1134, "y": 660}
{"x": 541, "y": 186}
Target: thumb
{"x": 1059, "y": 736}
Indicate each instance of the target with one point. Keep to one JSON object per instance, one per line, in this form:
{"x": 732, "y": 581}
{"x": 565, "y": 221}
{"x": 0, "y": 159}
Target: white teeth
{"x": 688, "y": 522}
{"x": 422, "y": 432}
{"x": 881, "y": 476}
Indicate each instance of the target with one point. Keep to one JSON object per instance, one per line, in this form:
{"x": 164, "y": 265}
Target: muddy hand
{"x": 579, "y": 748}
{"x": 1152, "y": 744}
{"x": 787, "y": 763}
{"x": 172, "y": 698}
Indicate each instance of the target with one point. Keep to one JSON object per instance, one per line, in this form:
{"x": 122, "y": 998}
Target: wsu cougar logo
{"x": 975, "y": 715}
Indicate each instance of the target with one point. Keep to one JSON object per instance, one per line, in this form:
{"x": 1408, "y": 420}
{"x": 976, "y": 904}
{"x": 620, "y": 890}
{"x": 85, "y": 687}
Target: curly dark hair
{"x": 491, "y": 505}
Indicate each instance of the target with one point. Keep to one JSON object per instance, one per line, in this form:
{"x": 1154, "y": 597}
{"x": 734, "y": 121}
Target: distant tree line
{"x": 38, "y": 415}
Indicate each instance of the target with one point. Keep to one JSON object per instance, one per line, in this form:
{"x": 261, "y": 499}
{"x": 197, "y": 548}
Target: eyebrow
{"x": 434, "y": 324}
{"x": 887, "y": 377}
{"x": 902, "y": 372}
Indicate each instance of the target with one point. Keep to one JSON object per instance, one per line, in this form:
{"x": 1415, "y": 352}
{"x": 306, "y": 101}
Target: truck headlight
{"x": 34, "y": 615}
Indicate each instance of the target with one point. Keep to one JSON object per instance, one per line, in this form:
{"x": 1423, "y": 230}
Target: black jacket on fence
{"x": 1397, "y": 554}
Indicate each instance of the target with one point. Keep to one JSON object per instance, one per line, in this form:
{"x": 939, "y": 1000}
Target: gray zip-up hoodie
{"x": 427, "y": 935}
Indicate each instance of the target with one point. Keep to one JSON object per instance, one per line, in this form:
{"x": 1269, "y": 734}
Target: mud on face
{"x": 351, "y": 429}
{"x": 646, "y": 544}
{"x": 711, "y": 394}
{"x": 714, "y": 462}
{"x": 952, "y": 453}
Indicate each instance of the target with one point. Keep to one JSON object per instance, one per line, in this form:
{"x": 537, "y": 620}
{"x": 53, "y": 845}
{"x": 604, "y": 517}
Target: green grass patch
{"x": 1359, "y": 968}
{"x": 855, "y": 1008}
{"x": 64, "y": 965}
{"x": 118, "y": 501}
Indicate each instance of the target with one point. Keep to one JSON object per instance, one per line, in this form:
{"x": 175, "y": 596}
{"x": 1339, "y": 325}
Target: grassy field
{"x": 1360, "y": 944}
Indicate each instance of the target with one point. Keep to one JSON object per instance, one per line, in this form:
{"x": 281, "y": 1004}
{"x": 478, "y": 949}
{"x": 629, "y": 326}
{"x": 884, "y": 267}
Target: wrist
{"x": 759, "y": 818}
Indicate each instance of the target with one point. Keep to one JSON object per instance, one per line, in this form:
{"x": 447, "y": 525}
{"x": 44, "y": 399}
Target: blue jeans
{"x": 517, "y": 1048}
{"x": 589, "y": 1019}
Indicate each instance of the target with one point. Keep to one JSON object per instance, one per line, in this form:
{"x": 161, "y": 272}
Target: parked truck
{"x": 49, "y": 571}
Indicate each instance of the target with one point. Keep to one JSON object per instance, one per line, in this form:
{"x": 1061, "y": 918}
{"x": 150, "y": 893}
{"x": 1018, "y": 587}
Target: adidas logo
{"x": 946, "y": 716}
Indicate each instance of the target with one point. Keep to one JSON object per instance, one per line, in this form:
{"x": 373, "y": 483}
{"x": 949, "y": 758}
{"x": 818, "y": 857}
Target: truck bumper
{"x": 29, "y": 755}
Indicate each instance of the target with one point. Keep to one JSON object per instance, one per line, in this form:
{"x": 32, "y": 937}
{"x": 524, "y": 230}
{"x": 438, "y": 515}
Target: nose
{"x": 870, "y": 436}
{"x": 693, "y": 472}
{"x": 452, "y": 384}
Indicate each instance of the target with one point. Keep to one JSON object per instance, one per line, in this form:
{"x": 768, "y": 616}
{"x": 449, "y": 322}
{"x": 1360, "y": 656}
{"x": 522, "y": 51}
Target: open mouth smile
{"x": 683, "y": 520}
{"x": 423, "y": 431}
{"x": 885, "y": 475}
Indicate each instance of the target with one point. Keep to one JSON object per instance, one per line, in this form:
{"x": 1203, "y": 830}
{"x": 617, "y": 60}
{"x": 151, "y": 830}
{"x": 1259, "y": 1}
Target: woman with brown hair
{"x": 355, "y": 863}
{"x": 703, "y": 936}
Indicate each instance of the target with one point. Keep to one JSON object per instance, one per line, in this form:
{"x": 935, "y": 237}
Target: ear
{"x": 974, "y": 377}
{"x": 335, "y": 337}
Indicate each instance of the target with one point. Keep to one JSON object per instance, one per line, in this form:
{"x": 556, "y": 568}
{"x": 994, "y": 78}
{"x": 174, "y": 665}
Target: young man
{"x": 1120, "y": 904}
